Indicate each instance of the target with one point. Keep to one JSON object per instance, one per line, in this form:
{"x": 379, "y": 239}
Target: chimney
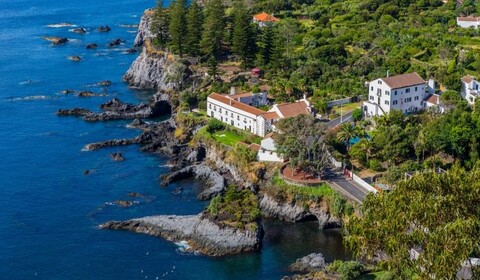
{"x": 388, "y": 73}
{"x": 232, "y": 90}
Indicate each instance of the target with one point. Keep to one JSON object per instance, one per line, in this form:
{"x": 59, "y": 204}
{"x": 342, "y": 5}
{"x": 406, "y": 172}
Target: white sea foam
{"x": 29, "y": 98}
{"x": 61, "y": 25}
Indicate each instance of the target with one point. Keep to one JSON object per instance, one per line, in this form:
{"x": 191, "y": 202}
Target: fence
{"x": 362, "y": 183}
{"x": 342, "y": 101}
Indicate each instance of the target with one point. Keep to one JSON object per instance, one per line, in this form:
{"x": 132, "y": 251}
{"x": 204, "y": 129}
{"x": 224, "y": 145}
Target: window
{"x": 407, "y": 90}
{"x": 395, "y": 92}
{"x": 231, "y": 122}
{"x": 220, "y": 110}
{"x": 215, "y": 108}
{"x": 371, "y": 97}
{"x": 387, "y": 92}
{"x": 394, "y": 102}
{"x": 415, "y": 88}
{"x": 387, "y": 102}
{"x": 379, "y": 82}
{"x": 238, "y": 117}
{"x": 371, "y": 88}
{"x": 210, "y": 105}
{"x": 379, "y": 91}
{"x": 231, "y": 115}
{"x": 416, "y": 98}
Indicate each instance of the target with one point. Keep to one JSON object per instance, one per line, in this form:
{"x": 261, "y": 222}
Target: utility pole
{"x": 341, "y": 115}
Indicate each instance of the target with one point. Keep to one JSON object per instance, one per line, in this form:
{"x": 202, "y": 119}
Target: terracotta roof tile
{"x": 470, "y": 18}
{"x": 271, "y": 116}
{"x": 293, "y": 109}
{"x": 404, "y": 80}
{"x": 467, "y": 79}
{"x": 254, "y": 147}
{"x": 269, "y": 135}
{"x": 432, "y": 98}
{"x": 264, "y": 17}
{"x": 239, "y": 105}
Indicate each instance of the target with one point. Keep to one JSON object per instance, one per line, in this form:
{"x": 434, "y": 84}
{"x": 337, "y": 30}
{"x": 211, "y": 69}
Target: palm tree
{"x": 347, "y": 132}
{"x": 367, "y": 147}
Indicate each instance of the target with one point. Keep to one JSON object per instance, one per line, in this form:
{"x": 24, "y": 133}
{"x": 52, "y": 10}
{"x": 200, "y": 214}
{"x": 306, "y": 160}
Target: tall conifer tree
{"x": 243, "y": 41}
{"x": 178, "y": 26}
{"x": 194, "y": 28}
{"x": 213, "y": 29}
{"x": 160, "y": 25}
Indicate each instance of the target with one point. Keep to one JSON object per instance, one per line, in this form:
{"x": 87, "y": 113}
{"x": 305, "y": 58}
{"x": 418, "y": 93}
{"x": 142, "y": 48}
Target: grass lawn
{"x": 321, "y": 190}
{"x": 346, "y": 107}
{"x": 227, "y": 137}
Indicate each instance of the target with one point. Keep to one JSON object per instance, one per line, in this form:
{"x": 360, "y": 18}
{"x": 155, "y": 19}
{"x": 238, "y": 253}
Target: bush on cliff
{"x": 239, "y": 209}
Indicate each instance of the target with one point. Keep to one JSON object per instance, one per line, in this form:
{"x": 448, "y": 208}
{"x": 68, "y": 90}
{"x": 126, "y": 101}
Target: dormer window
{"x": 379, "y": 82}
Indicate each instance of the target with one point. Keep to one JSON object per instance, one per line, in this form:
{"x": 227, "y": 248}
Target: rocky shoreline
{"x": 201, "y": 234}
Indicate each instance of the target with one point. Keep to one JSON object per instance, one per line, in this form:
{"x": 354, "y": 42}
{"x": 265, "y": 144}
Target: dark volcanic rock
{"x": 79, "y": 30}
{"x": 105, "y": 83}
{"x": 117, "y": 157}
{"x": 56, "y": 40}
{"x": 117, "y": 110}
{"x": 130, "y": 51}
{"x": 124, "y": 203}
{"x": 115, "y": 42}
{"x": 201, "y": 234}
{"x": 75, "y": 58}
{"x": 110, "y": 143}
{"x": 214, "y": 182}
{"x": 91, "y": 46}
{"x": 311, "y": 263}
{"x": 89, "y": 94}
{"x": 105, "y": 28}
{"x": 78, "y": 112}
{"x": 67, "y": 91}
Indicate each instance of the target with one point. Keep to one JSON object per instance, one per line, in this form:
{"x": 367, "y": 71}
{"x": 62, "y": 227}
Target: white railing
{"x": 362, "y": 183}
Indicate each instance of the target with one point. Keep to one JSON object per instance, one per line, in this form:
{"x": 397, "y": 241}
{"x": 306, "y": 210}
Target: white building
{"x": 467, "y": 22}
{"x": 402, "y": 92}
{"x": 237, "y": 110}
{"x": 267, "y": 151}
{"x": 470, "y": 89}
{"x": 432, "y": 102}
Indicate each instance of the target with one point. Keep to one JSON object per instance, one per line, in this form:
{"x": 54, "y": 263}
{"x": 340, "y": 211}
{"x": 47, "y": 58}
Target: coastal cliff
{"x": 201, "y": 234}
{"x": 154, "y": 69}
{"x": 144, "y": 33}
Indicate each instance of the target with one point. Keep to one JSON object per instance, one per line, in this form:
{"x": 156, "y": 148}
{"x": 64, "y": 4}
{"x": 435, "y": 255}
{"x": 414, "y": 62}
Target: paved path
{"x": 346, "y": 187}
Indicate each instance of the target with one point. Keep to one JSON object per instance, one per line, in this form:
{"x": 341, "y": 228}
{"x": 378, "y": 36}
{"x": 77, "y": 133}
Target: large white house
{"x": 404, "y": 92}
{"x": 237, "y": 110}
{"x": 467, "y": 22}
{"x": 470, "y": 89}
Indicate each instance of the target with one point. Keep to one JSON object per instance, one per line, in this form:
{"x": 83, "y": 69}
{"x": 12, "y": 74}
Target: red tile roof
{"x": 404, "y": 80}
{"x": 254, "y": 147}
{"x": 271, "y": 116}
{"x": 269, "y": 135}
{"x": 239, "y": 105}
{"x": 467, "y": 79}
{"x": 264, "y": 17}
{"x": 470, "y": 18}
{"x": 293, "y": 109}
{"x": 432, "y": 98}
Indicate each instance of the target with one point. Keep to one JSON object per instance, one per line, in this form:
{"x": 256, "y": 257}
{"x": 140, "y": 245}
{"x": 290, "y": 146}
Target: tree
{"x": 435, "y": 214}
{"x": 177, "y": 26}
{"x": 300, "y": 139}
{"x": 243, "y": 40}
{"x": 287, "y": 31}
{"x": 213, "y": 27}
{"x": 347, "y": 132}
{"x": 266, "y": 44}
{"x": 160, "y": 25}
{"x": 194, "y": 28}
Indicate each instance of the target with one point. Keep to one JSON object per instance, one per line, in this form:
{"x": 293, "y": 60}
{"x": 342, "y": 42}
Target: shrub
{"x": 215, "y": 125}
{"x": 375, "y": 165}
{"x": 348, "y": 270}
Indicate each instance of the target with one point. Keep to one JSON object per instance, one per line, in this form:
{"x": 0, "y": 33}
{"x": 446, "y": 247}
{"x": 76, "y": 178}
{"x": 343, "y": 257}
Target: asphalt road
{"x": 345, "y": 118}
{"x": 338, "y": 182}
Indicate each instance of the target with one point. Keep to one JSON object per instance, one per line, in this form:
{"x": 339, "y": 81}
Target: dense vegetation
{"x": 435, "y": 214}
{"x": 236, "y": 208}
{"x": 326, "y": 48}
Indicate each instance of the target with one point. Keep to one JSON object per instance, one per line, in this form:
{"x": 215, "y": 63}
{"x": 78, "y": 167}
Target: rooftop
{"x": 271, "y": 116}
{"x": 264, "y": 17}
{"x": 433, "y": 99}
{"x": 239, "y": 105}
{"x": 467, "y": 79}
{"x": 469, "y": 18}
{"x": 404, "y": 80}
{"x": 293, "y": 109}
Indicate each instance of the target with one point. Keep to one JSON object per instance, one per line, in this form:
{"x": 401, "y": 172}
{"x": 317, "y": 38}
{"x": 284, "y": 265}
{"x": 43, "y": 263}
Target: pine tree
{"x": 213, "y": 27}
{"x": 194, "y": 28}
{"x": 177, "y": 27}
{"x": 266, "y": 44}
{"x": 243, "y": 41}
{"x": 160, "y": 23}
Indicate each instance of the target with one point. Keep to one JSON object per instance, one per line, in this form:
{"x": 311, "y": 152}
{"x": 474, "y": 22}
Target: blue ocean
{"x": 50, "y": 210}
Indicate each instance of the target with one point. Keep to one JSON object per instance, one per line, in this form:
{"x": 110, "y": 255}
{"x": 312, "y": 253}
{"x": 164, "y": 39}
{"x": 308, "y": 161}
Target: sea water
{"x": 50, "y": 210}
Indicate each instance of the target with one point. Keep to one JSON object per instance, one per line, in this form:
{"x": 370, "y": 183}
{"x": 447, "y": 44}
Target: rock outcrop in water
{"x": 214, "y": 182}
{"x": 311, "y": 263}
{"x": 117, "y": 110}
{"x": 201, "y": 234}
